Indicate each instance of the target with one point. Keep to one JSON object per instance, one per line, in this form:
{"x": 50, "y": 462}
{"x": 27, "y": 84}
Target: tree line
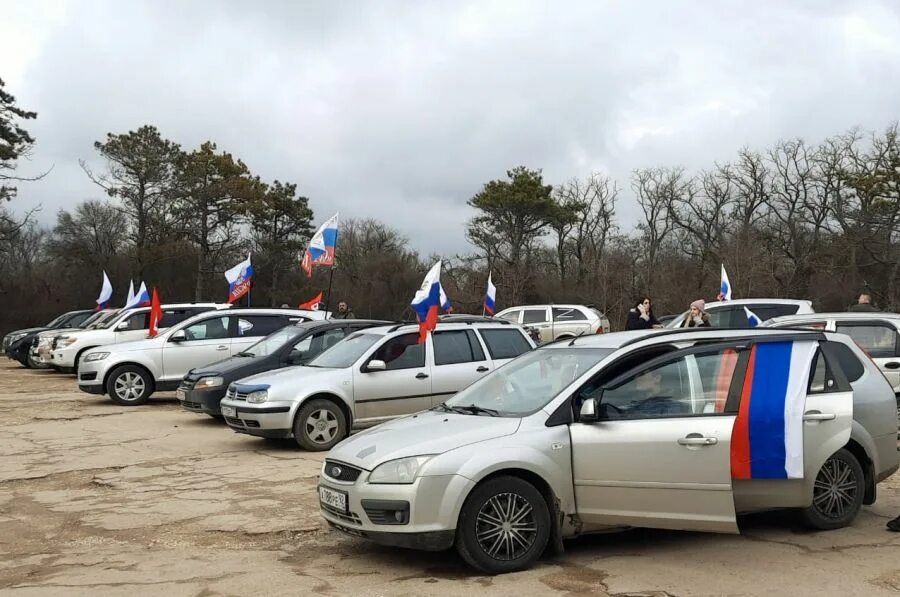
{"x": 799, "y": 220}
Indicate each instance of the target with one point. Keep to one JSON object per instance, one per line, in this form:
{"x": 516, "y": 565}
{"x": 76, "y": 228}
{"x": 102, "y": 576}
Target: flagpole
{"x": 328, "y": 293}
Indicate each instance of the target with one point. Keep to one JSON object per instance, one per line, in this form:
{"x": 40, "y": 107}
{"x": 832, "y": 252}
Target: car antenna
{"x": 580, "y": 334}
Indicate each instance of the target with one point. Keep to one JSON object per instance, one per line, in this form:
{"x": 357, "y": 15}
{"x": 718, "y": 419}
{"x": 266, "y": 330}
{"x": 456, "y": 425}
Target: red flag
{"x": 312, "y": 305}
{"x": 155, "y": 314}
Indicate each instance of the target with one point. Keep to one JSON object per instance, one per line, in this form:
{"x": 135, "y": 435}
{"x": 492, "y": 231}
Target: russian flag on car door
{"x": 106, "y": 291}
{"x": 490, "y": 298}
{"x": 321, "y": 246}
{"x": 240, "y": 278}
{"x": 767, "y": 437}
{"x": 427, "y": 302}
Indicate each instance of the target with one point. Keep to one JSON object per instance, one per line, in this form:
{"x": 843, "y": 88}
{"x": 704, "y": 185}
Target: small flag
{"x": 446, "y": 306}
{"x": 724, "y": 286}
{"x": 490, "y": 298}
{"x": 312, "y": 305}
{"x": 141, "y": 298}
{"x": 753, "y": 319}
{"x": 156, "y": 314}
{"x": 106, "y": 291}
{"x": 240, "y": 279}
{"x": 130, "y": 298}
{"x": 321, "y": 247}
{"x": 427, "y": 302}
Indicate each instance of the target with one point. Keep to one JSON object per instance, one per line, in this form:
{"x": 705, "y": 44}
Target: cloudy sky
{"x": 402, "y": 110}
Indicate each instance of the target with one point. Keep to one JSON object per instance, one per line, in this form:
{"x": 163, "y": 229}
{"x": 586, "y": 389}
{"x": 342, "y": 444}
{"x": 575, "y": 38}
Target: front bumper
{"x": 274, "y": 420}
{"x": 91, "y": 376}
{"x": 64, "y": 358}
{"x": 434, "y": 506}
{"x": 201, "y": 401}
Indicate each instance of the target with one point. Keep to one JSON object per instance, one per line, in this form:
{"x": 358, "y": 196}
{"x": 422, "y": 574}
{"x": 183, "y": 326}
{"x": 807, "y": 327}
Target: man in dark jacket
{"x": 344, "y": 311}
{"x": 864, "y": 304}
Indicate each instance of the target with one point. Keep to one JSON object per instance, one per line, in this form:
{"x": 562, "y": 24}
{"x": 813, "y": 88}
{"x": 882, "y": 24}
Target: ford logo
{"x": 336, "y": 471}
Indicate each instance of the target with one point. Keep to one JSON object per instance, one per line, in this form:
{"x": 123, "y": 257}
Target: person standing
{"x": 696, "y": 317}
{"x": 344, "y": 311}
{"x": 641, "y": 316}
{"x": 864, "y": 304}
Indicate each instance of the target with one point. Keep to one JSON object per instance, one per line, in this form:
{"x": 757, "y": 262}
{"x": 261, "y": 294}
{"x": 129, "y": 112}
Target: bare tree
{"x": 657, "y": 189}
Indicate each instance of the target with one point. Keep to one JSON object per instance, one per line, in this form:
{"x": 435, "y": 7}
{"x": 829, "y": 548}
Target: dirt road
{"x": 101, "y": 499}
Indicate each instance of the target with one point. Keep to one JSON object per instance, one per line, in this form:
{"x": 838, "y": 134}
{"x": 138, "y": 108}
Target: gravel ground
{"x": 101, "y": 499}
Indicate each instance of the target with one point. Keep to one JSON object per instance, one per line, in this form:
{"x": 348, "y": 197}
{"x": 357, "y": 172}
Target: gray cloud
{"x": 403, "y": 110}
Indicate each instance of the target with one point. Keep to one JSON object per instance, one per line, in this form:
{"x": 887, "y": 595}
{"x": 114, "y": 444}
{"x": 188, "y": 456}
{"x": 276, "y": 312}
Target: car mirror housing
{"x": 178, "y": 337}
{"x": 589, "y": 411}
{"x": 376, "y": 365}
{"x": 122, "y": 326}
{"x": 296, "y": 357}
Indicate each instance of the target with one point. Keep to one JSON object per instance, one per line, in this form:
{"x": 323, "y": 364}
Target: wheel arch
{"x": 331, "y": 397}
{"x": 868, "y": 466}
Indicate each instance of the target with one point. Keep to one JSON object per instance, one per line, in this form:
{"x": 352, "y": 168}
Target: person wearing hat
{"x": 696, "y": 317}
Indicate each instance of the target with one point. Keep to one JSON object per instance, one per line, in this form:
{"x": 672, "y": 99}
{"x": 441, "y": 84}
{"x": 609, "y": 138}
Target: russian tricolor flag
{"x": 321, "y": 246}
{"x": 490, "y": 298}
{"x": 240, "y": 279}
{"x": 724, "y": 286}
{"x": 141, "y": 298}
{"x": 753, "y": 319}
{"x": 767, "y": 437}
{"x": 106, "y": 291}
{"x": 427, "y": 302}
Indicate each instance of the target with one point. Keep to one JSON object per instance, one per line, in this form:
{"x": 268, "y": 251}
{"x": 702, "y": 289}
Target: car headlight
{"x": 16, "y": 337}
{"x": 206, "y": 383}
{"x": 66, "y": 341}
{"x": 95, "y": 356}
{"x": 402, "y": 471}
{"x": 258, "y": 396}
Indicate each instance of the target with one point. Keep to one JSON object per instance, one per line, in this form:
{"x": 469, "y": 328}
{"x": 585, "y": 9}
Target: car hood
{"x": 234, "y": 367}
{"x": 290, "y": 375}
{"x": 26, "y": 331}
{"x": 428, "y": 432}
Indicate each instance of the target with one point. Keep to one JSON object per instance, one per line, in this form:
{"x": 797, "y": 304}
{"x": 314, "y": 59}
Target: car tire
{"x": 838, "y": 493}
{"x": 319, "y": 425}
{"x": 32, "y": 364}
{"x": 129, "y": 385}
{"x": 481, "y": 537}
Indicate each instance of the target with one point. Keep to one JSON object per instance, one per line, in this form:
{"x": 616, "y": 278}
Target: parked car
{"x": 20, "y": 341}
{"x": 203, "y": 388}
{"x": 878, "y": 334}
{"x": 42, "y": 343}
{"x": 731, "y": 314}
{"x": 632, "y": 429}
{"x": 130, "y": 372}
{"x": 127, "y": 325}
{"x": 372, "y": 376}
{"x": 665, "y": 319}
{"x": 558, "y": 321}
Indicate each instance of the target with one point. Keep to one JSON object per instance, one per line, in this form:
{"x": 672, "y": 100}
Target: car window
{"x": 402, "y": 352}
{"x": 318, "y": 342}
{"x": 138, "y": 321}
{"x": 821, "y": 377}
{"x": 477, "y": 352}
{"x": 172, "y": 316}
{"x": 720, "y": 318}
{"x": 260, "y": 325}
{"x": 690, "y": 385}
{"x": 346, "y": 353}
{"x": 767, "y": 311}
{"x": 879, "y": 341}
{"x": 512, "y": 316}
{"x": 848, "y": 362}
{"x": 454, "y": 347}
{"x": 504, "y": 344}
{"x": 273, "y": 341}
{"x": 214, "y": 328}
{"x": 534, "y": 316}
{"x": 562, "y": 314}
{"x": 78, "y": 320}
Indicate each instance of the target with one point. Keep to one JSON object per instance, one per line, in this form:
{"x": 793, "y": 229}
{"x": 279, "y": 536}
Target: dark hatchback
{"x": 202, "y": 389}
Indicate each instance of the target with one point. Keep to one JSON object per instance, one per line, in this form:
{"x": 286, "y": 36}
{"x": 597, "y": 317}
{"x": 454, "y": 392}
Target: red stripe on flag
{"x": 740, "y": 433}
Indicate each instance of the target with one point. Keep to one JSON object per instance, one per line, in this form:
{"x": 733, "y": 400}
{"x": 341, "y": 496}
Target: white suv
{"x": 554, "y": 322}
{"x": 731, "y": 314}
{"x": 127, "y": 325}
{"x": 371, "y": 376}
{"x": 131, "y": 371}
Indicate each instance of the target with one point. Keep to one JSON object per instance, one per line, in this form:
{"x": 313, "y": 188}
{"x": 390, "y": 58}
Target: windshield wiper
{"x": 476, "y": 410}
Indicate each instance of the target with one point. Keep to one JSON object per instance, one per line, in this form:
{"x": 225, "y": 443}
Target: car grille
{"x": 349, "y": 517}
{"x": 88, "y": 376}
{"x": 186, "y": 385}
{"x": 188, "y": 404}
{"x": 233, "y": 421}
{"x": 347, "y": 473}
{"x": 54, "y": 343}
{"x": 380, "y": 515}
{"x": 233, "y": 394}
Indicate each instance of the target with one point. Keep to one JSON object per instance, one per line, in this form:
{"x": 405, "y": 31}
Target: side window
{"x": 319, "y": 342}
{"x": 534, "y": 316}
{"x": 260, "y": 325}
{"x": 402, "y": 352}
{"x": 512, "y": 316}
{"x": 721, "y": 318}
{"x": 691, "y": 385}
{"x": 505, "y": 344}
{"x": 172, "y": 316}
{"x": 475, "y": 345}
{"x": 821, "y": 377}
{"x": 879, "y": 341}
{"x": 452, "y": 347}
{"x": 564, "y": 315}
{"x": 139, "y": 321}
{"x": 214, "y": 328}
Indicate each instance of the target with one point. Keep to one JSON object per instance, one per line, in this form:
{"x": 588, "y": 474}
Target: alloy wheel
{"x": 321, "y": 426}
{"x": 835, "y": 489}
{"x": 129, "y": 386}
{"x": 505, "y": 527}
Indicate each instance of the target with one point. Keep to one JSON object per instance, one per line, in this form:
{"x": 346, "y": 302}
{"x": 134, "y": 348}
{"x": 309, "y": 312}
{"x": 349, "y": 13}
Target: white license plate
{"x": 335, "y": 499}
{"x": 228, "y": 411}
{"x": 180, "y": 394}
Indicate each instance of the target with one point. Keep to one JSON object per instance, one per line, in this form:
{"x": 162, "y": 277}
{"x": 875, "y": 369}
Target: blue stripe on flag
{"x": 767, "y": 396}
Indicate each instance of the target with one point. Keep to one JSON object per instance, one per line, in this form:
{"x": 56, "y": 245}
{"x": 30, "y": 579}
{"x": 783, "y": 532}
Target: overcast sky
{"x": 402, "y": 110}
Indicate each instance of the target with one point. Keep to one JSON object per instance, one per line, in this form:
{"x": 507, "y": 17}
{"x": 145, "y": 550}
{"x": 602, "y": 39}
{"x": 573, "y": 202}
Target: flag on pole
{"x": 724, "y": 286}
{"x": 312, "y": 305}
{"x": 427, "y": 302}
{"x": 156, "y": 315}
{"x": 321, "y": 247}
{"x": 240, "y": 278}
{"x": 446, "y": 306}
{"x": 130, "y": 298}
{"x": 141, "y": 298}
{"x": 753, "y": 319}
{"x": 490, "y": 298}
{"x": 106, "y": 291}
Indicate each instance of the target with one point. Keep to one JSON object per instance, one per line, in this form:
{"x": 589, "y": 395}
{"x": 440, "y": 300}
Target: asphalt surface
{"x": 98, "y": 499}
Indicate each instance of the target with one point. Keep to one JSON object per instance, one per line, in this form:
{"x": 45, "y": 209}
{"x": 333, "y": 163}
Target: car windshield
{"x": 57, "y": 321}
{"x": 107, "y": 321}
{"x": 273, "y": 342}
{"x": 528, "y": 383}
{"x": 345, "y": 353}
{"x": 91, "y": 320}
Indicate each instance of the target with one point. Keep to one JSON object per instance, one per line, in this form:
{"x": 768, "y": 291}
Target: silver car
{"x": 731, "y": 314}
{"x": 632, "y": 429}
{"x": 554, "y": 322}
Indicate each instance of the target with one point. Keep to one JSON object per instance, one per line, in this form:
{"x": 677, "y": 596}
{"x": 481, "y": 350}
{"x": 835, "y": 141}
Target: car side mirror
{"x": 178, "y": 337}
{"x": 376, "y": 365}
{"x": 296, "y": 357}
{"x": 589, "y": 411}
{"x": 122, "y": 326}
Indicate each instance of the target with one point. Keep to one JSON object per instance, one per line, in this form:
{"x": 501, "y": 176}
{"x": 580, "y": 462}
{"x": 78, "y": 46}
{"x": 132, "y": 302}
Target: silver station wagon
{"x": 633, "y": 429}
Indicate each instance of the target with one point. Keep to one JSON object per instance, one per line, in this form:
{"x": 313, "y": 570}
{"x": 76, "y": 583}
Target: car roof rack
{"x": 465, "y": 318}
{"x": 747, "y": 335}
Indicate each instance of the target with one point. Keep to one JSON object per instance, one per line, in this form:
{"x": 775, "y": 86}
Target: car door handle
{"x": 482, "y": 369}
{"x": 223, "y": 347}
{"x": 892, "y": 365}
{"x": 698, "y": 441}
{"x": 421, "y": 376}
{"x": 818, "y": 416}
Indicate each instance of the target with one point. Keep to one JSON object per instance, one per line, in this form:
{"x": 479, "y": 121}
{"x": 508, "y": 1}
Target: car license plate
{"x": 332, "y": 498}
{"x": 228, "y": 411}
{"x": 180, "y": 394}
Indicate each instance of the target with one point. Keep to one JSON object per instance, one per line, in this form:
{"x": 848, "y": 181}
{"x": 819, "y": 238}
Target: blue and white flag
{"x": 106, "y": 291}
{"x": 753, "y": 319}
{"x": 240, "y": 278}
{"x": 724, "y": 286}
{"x": 490, "y": 298}
{"x": 131, "y": 295}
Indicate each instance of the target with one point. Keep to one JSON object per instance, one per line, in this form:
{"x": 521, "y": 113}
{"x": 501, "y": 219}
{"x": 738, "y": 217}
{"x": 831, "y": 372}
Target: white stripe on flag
{"x": 802, "y": 354}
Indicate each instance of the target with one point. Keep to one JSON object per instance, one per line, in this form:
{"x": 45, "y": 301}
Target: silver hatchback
{"x": 668, "y": 429}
